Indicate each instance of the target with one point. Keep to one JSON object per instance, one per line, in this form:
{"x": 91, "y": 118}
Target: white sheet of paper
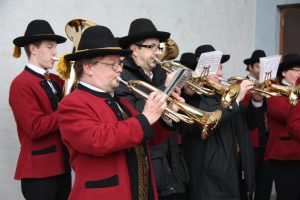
{"x": 268, "y": 65}
{"x": 211, "y": 59}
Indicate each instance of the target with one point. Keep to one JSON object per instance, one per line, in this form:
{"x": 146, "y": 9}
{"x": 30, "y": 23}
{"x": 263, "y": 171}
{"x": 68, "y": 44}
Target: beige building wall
{"x": 229, "y": 25}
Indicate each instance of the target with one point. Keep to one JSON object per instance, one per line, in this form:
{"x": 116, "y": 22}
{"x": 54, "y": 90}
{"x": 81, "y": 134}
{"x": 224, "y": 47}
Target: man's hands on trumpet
{"x": 245, "y": 86}
{"x": 155, "y": 106}
{"x": 177, "y": 98}
{"x": 157, "y": 103}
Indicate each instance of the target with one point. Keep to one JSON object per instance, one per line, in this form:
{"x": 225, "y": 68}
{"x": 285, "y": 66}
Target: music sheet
{"x": 268, "y": 67}
{"x": 178, "y": 80}
{"x": 209, "y": 60}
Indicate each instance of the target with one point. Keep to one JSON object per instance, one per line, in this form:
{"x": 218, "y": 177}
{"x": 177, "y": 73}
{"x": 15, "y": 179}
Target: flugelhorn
{"x": 228, "y": 94}
{"x": 263, "y": 89}
{"x": 207, "y": 120}
{"x": 292, "y": 92}
{"x": 169, "y": 52}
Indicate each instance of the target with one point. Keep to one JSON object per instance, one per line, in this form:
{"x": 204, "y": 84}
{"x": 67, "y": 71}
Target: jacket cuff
{"x": 147, "y": 130}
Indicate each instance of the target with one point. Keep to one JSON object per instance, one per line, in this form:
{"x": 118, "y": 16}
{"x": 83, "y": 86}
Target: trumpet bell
{"x": 294, "y": 95}
{"x": 207, "y": 120}
{"x": 229, "y": 95}
{"x": 210, "y": 122}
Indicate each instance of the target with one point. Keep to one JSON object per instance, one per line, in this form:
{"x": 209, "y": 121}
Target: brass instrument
{"x": 261, "y": 89}
{"x": 291, "y": 92}
{"x": 228, "y": 93}
{"x": 74, "y": 30}
{"x": 207, "y": 120}
{"x": 269, "y": 89}
{"x": 169, "y": 52}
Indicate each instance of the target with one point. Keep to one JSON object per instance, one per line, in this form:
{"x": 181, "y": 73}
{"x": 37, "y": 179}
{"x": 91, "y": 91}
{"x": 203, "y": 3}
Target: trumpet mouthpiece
{"x": 55, "y": 58}
{"x": 122, "y": 81}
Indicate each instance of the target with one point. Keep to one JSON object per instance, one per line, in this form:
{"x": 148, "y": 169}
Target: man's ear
{"x": 250, "y": 66}
{"x": 87, "y": 68}
{"x": 32, "y": 48}
{"x": 133, "y": 47}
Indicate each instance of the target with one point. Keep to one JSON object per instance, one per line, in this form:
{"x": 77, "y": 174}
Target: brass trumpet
{"x": 262, "y": 89}
{"x": 228, "y": 93}
{"x": 169, "y": 67}
{"x": 207, "y": 120}
{"x": 169, "y": 52}
{"x": 232, "y": 91}
{"x": 291, "y": 92}
{"x": 269, "y": 89}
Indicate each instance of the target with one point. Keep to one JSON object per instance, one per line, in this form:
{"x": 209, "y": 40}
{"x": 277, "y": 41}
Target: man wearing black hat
{"x": 283, "y": 148}
{"x": 143, "y": 39}
{"x": 253, "y": 64}
{"x": 189, "y": 60}
{"x": 107, "y": 138}
{"x": 259, "y": 136}
{"x": 43, "y": 164}
{"x": 221, "y": 167}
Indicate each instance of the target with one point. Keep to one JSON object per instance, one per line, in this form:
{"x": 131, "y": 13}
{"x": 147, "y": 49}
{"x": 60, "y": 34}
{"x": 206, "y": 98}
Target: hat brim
{"x": 249, "y": 61}
{"x": 124, "y": 42}
{"x": 96, "y": 52}
{"x": 290, "y": 63}
{"x": 287, "y": 65}
{"x": 225, "y": 58}
{"x": 25, "y": 40}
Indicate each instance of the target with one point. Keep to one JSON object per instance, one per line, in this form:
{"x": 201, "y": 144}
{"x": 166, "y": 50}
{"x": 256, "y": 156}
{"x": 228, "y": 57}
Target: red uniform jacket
{"x": 281, "y": 146}
{"x": 98, "y": 142}
{"x": 37, "y": 125}
{"x": 294, "y": 122}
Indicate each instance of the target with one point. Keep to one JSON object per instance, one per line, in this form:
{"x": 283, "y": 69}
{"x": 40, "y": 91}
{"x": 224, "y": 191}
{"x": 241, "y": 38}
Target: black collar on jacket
{"x": 54, "y": 98}
{"x": 34, "y": 73}
{"x": 95, "y": 93}
{"x": 131, "y": 66}
{"x": 110, "y": 100}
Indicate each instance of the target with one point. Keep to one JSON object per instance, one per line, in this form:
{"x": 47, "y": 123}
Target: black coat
{"x": 168, "y": 164}
{"x": 213, "y": 163}
{"x": 133, "y": 72}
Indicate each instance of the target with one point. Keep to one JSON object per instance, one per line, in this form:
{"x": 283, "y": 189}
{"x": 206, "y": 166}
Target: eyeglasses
{"x": 153, "y": 47}
{"x": 114, "y": 65}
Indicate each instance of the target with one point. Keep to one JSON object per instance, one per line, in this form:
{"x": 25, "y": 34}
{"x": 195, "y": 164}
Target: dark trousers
{"x": 287, "y": 179}
{"x": 50, "y": 188}
{"x": 263, "y": 176}
{"x": 174, "y": 197}
{"x": 244, "y": 194}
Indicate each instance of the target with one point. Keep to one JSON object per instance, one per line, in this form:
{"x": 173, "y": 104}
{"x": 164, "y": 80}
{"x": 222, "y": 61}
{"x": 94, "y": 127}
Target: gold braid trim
{"x": 17, "y": 52}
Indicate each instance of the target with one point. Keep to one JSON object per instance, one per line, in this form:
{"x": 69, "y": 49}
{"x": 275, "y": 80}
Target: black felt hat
{"x": 289, "y": 61}
{"x": 208, "y": 48}
{"x": 97, "y": 41}
{"x": 38, "y": 30}
{"x": 256, "y": 55}
{"x": 142, "y": 29}
{"x": 189, "y": 60}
